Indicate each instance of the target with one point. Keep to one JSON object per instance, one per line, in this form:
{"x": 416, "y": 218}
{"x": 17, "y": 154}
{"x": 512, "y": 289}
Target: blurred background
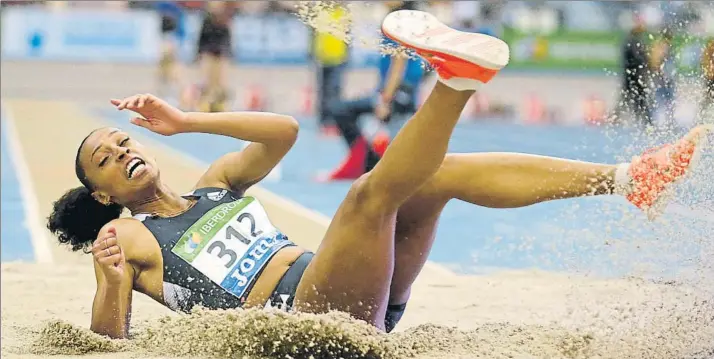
{"x": 577, "y": 47}
{"x": 588, "y": 80}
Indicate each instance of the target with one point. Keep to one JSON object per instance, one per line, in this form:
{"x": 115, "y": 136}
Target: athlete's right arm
{"x": 115, "y": 279}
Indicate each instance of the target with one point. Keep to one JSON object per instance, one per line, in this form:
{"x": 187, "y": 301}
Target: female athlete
{"x": 217, "y": 248}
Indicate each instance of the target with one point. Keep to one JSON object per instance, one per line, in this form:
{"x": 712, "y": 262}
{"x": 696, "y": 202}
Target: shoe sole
{"x": 424, "y": 33}
{"x": 660, "y": 204}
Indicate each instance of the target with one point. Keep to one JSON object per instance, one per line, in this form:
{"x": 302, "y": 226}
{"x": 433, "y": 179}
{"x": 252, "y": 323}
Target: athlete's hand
{"x": 156, "y": 114}
{"x": 382, "y": 111}
{"x": 109, "y": 255}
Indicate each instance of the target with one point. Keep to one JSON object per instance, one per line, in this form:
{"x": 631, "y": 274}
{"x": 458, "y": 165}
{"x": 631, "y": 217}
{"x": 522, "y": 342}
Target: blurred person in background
{"x": 663, "y": 69}
{"x": 707, "y": 64}
{"x": 173, "y": 33}
{"x": 214, "y": 54}
{"x": 634, "y": 95}
{"x": 330, "y": 54}
{"x": 466, "y": 15}
{"x": 396, "y": 94}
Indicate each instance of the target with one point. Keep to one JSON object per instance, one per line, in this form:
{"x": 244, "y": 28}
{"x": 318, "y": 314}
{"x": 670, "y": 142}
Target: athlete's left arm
{"x": 271, "y": 136}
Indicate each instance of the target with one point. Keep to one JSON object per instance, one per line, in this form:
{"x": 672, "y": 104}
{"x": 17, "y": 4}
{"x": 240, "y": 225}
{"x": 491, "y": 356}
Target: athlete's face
{"x": 117, "y": 166}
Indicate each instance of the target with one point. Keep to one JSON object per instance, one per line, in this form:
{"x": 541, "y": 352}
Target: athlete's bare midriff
{"x": 150, "y": 281}
{"x": 269, "y": 278}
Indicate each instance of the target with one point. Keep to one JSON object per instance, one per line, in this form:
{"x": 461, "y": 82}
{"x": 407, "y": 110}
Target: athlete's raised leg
{"x": 353, "y": 267}
{"x": 508, "y": 180}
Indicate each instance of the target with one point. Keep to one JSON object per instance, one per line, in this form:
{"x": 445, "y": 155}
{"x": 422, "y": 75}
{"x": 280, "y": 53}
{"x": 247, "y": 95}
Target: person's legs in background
{"x": 321, "y": 94}
{"x": 707, "y": 99}
{"x": 403, "y": 107}
{"x": 364, "y": 155}
{"x": 665, "y": 102}
{"x": 167, "y": 72}
{"x": 641, "y": 105}
{"x": 670, "y": 104}
{"x": 213, "y": 68}
{"x": 329, "y": 92}
{"x": 346, "y": 116}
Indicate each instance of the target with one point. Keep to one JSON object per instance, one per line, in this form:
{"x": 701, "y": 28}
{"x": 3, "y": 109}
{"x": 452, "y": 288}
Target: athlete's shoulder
{"x": 138, "y": 243}
{"x": 127, "y": 230}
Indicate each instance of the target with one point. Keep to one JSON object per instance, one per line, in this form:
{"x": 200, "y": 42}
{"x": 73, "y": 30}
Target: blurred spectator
{"x": 330, "y": 55}
{"x": 173, "y": 33}
{"x": 215, "y": 51}
{"x": 707, "y": 63}
{"x": 491, "y": 15}
{"x": 664, "y": 70}
{"x": 635, "y": 94}
{"x": 466, "y": 15}
{"x": 399, "y": 80}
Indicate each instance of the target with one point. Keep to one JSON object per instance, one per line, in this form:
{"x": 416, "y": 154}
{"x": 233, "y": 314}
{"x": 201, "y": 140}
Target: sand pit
{"x": 506, "y": 314}
{"x": 516, "y": 314}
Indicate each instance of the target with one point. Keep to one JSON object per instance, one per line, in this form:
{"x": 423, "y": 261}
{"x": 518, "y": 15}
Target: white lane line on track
{"x": 38, "y": 235}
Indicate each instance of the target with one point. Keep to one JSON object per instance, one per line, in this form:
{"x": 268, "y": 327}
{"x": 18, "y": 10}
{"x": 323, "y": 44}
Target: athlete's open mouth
{"x": 135, "y": 167}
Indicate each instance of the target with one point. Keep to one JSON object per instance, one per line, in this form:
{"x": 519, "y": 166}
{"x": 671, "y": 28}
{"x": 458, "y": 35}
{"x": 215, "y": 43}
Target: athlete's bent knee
{"x": 369, "y": 198}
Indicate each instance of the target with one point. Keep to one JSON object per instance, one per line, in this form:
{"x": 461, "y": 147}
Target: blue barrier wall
{"x": 133, "y": 36}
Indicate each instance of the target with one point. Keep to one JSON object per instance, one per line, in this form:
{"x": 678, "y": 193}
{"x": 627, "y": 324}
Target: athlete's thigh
{"x": 352, "y": 269}
{"x": 414, "y": 236}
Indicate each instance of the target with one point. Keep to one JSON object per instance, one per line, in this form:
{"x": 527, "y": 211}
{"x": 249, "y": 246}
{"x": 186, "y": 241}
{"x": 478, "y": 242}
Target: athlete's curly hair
{"x": 77, "y": 217}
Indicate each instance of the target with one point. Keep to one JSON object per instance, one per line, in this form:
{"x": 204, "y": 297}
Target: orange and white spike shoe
{"x": 463, "y": 60}
{"x": 651, "y": 176}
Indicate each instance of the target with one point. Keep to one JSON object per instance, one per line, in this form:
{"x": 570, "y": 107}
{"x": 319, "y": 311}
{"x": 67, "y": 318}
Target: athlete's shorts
{"x": 215, "y": 42}
{"x": 284, "y": 294}
{"x": 216, "y": 48}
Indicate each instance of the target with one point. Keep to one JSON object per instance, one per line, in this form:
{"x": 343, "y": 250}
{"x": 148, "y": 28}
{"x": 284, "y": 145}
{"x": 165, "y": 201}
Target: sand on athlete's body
{"x": 508, "y": 314}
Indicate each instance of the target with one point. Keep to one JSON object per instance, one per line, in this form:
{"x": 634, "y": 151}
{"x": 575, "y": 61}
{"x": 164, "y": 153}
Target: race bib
{"x": 231, "y": 243}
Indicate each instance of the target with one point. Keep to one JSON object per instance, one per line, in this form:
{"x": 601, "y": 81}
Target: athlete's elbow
{"x": 110, "y": 331}
{"x": 290, "y": 130}
{"x": 109, "y": 322}
{"x": 292, "y": 127}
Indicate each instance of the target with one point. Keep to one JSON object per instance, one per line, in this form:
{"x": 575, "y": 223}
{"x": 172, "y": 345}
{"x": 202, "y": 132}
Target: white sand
{"x": 516, "y": 314}
{"x": 495, "y": 316}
